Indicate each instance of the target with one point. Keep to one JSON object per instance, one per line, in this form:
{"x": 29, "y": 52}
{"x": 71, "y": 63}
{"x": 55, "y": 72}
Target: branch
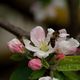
{"x": 18, "y": 32}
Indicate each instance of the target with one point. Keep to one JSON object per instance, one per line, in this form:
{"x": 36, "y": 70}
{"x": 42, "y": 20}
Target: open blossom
{"x": 47, "y": 78}
{"x": 35, "y": 64}
{"x": 66, "y": 45}
{"x": 16, "y": 46}
{"x": 41, "y": 47}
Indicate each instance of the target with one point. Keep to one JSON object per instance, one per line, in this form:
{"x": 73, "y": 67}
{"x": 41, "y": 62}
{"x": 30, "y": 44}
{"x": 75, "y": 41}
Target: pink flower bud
{"x": 60, "y": 56}
{"x": 35, "y": 64}
{"x": 16, "y": 46}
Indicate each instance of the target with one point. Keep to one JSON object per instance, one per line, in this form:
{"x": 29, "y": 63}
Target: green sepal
{"x": 45, "y": 63}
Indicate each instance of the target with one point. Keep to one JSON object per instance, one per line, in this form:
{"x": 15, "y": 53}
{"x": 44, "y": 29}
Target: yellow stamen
{"x": 44, "y": 46}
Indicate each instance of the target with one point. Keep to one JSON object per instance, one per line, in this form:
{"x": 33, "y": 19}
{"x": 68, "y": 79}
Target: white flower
{"x": 47, "y": 78}
{"x": 55, "y": 79}
{"x": 64, "y": 45}
{"x": 41, "y": 47}
{"x": 41, "y": 13}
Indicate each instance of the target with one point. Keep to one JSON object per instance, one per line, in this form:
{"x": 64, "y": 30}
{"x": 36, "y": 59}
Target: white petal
{"x": 51, "y": 50}
{"x": 26, "y": 41}
{"x": 67, "y": 47}
{"x": 55, "y": 79}
{"x": 41, "y": 54}
{"x": 63, "y": 33}
{"x": 45, "y": 78}
{"x": 37, "y": 35}
{"x": 64, "y": 47}
{"x": 61, "y": 39}
{"x": 50, "y": 31}
{"x": 74, "y": 42}
{"x": 29, "y": 46}
{"x": 49, "y": 34}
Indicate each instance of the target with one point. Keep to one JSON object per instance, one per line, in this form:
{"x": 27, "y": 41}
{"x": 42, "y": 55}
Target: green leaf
{"x": 21, "y": 73}
{"x": 66, "y": 75}
{"x": 59, "y": 75}
{"x": 69, "y": 63}
{"x": 45, "y": 63}
{"x": 71, "y": 75}
{"x": 16, "y": 57}
{"x": 37, "y": 74}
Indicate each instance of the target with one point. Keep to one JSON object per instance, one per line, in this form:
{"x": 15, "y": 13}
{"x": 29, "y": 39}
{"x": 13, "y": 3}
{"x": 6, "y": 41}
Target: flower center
{"x": 44, "y": 46}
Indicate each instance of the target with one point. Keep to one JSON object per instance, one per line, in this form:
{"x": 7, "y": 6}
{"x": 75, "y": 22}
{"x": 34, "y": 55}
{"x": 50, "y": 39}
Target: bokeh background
{"x": 27, "y": 14}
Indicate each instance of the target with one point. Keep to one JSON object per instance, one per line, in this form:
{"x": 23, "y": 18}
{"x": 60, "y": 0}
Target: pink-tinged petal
{"x": 67, "y": 46}
{"x": 16, "y": 46}
{"x": 29, "y": 46}
{"x": 35, "y": 64}
{"x": 37, "y": 35}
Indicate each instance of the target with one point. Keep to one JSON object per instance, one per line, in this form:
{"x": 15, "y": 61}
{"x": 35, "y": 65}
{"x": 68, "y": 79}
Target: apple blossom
{"x": 35, "y": 64}
{"x": 55, "y": 78}
{"x": 16, "y": 46}
{"x": 42, "y": 47}
{"x": 66, "y": 45}
{"x": 47, "y": 78}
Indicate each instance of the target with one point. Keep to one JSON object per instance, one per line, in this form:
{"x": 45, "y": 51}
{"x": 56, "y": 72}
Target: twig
{"x": 18, "y": 32}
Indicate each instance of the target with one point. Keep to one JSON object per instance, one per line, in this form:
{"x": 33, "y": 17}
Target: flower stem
{"x": 51, "y": 72}
{"x": 53, "y": 68}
